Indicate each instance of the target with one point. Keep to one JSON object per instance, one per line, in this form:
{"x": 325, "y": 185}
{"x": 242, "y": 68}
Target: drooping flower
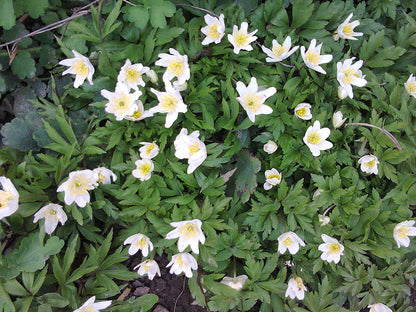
{"x": 151, "y": 74}
{"x": 240, "y": 39}
{"x": 77, "y": 186}
{"x": 369, "y": 164}
{"x": 176, "y": 66}
{"x": 349, "y": 74}
{"x": 183, "y": 262}
{"x": 139, "y": 242}
{"x": 402, "y": 231}
{"x": 170, "y": 102}
{"x": 149, "y": 150}
{"x": 332, "y": 250}
{"x": 140, "y": 113}
{"x": 315, "y": 138}
{"x": 190, "y": 147}
{"x": 148, "y": 267}
{"x": 91, "y": 306}
{"x": 252, "y": 99}
{"x": 295, "y": 288}
{"x": 303, "y": 111}
{"x": 410, "y": 85}
{"x": 236, "y": 283}
{"x": 379, "y": 307}
{"x": 337, "y": 120}
{"x": 279, "y": 52}
{"x": 180, "y": 87}
{"x": 189, "y": 233}
{"x": 121, "y": 102}
{"x": 104, "y": 175}
{"x": 52, "y": 213}
{"x": 324, "y": 220}
{"x": 270, "y": 147}
{"x": 289, "y": 241}
{"x": 313, "y": 57}
{"x": 273, "y": 177}
{"x": 342, "y": 93}
{"x": 9, "y": 198}
{"x": 144, "y": 169}
{"x": 80, "y": 66}
{"x": 214, "y": 30}
{"x": 346, "y": 29}
{"x": 131, "y": 75}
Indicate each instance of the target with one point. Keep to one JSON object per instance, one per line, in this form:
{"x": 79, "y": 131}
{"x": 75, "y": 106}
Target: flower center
{"x": 188, "y": 230}
{"x": 180, "y": 262}
{"x": 273, "y": 176}
{"x": 412, "y": 86}
{"x": 176, "y": 67}
{"x": 279, "y": 50}
{"x": 79, "y": 186}
{"x": 314, "y": 138}
{"x": 122, "y": 103}
{"x": 168, "y": 103}
{"x": 252, "y": 102}
{"x": 5, "y": 196}
{"x": 301, "y": 112}
{"x": 149, "y": 148}
{"x": 403, "y": 231}
{"x": 146, "y": 265}
{"x": 287, "y": 241}
{"x": 101, "y": 178}
{"x": 194, "y": 148}
{"x": 334, "y": 248}
{"x": 144, "y": 168}
{"x": 370, "y": 164}
{"x": 137, "y": 114}
{"x": 312, "y": 57}
{"x": 350, "y": 75}
{"x": 88, "y": 309}
{"x": 52, "y": 212}
{"x": 140, "y": 243}
{"x": 241, "y": 39}
{"x": 80, "y": 68}
{"x": 132, "y": 75}
{"x": 347, "y": 30}
{"x": 213, "y": 31}
{"x": 299, "y": 282}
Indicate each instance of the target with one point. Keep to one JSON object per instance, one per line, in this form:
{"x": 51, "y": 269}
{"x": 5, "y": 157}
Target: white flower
{"x": 369, "y": 164}
{"x": 270, "y": 147}
{"x": 315, "y": 138}
{"x": 337, "y": 120}
{"x": 349, "y": 74}
{"x": 104, "y": 175}
{"x": 273, "y": 177}
{"x": 342, "y": 93}
{"x": 140, "y": 113}
{"x": 139, "y": 242}
{"x": 9, "y": 198}
{"x": 52, "y": 213}
{"x": 324, "y": 220}
{"x": 90, "y": 306}
{"x": 144, "y": 169}
{"x": 252, "y": 99}
{"x": 177, "y": 66}
{"x": 279, "y": 52}
{"x": 295, "y": 288}
{"x": 240, "y": 39}
{"x": 346, "y": 29}
{"x": 214, "y": 30}
{"x": 77, "y": 186}
{"x": 289, "y": 241}
{"x": 148, "y": 267}
{"x": 131, "y": 75}
{"x": 183, "y": 262}
{"x": 332, "y": 250}
{"x": 180, "y": 87}
{"x": 121, "y": 103}
{"x": 236, "y": 283}
{"x": 313, "y": 57}
{"x": 151, "y": 74}
{"x": 189, "y": 233}
{"x": 410, "y": 85}
{"x": 149, "y": 150}
{"x": 170, "y": 102}
{"x": 190, "y": 147}
{"x": 379, "y": 307}
{"x": 402, "y": 231}
{"x": 303, "y": 111}
{"x": 80, "y": 66}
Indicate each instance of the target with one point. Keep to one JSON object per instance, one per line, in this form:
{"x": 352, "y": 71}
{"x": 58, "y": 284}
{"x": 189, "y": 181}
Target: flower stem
{"x": 197, "y": 8}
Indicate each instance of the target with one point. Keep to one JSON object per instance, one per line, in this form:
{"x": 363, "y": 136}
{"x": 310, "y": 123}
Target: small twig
{"x": 124, "y": 294}
{"x": 177, "y": 298}
{"x": 197, "y": 8}
{"x": 128, "y": 2}
{"x": 286, "y": 65}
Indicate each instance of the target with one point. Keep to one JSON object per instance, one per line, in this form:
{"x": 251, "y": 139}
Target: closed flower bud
{"x": 324, "y": 220}
{"x": 337, "y": 119}
{"x": 151, "y": 74}
{"x": 342, "y": 93}
{"x": 270, "y": 147}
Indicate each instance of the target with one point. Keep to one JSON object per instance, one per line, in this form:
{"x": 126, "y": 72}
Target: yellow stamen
{"x": 146, "y": 265}
{"x": 137, "y": 114}
{"x": 241, "y": 39}
{"x": 288, "y": 241}
{"x": 132, "y": 75}
{"x": 149, "y": 148}
{"x": 79, "y": 186}
{"x": 176, "y": 67}
{"x": 252, "y": 102}
{"x": 213, "y": 31}
{"x": 299, "y": 282}
{"x": 144, "y": 168}
{"x": 370, "y": 164}
{"x": 194, "y": 148}
{"x": 188, "y": 230}
{"x": 272, "y": 176}
{"x": 312, "y": 57}
{"x": 179, "y": 261}
{"x": 403, "y": 231}
{"x": 411, "y": 86}
{"x": 80, "y": 68}
{"x": 122, "y": 103}
{"x": 334, "y": 248}
{"x": 168, "y": 103}
{"x": 301, "y": 112}
{"x": 314, "y": 138}
{"x": 347, "y": 30}
{"x": 88, "y": 309}
{"x": 279, "y": 50}
{"x": 140, "y": 243}
{"x": 5, "y": 196}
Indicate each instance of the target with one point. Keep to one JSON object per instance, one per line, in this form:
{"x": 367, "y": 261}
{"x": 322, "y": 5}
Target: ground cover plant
{"x": 264, "y": 152}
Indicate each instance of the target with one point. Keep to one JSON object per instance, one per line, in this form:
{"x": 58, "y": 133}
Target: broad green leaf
{"x": 23, "y": 65}
{"x": 138, "y": 15}
{"x": 7, "y": 17}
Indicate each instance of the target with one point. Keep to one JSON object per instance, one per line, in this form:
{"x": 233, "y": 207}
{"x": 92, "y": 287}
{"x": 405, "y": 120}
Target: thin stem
{"x": 286, "y": 65}
{"x": 180, "y": 294}
{"x": 197, "y": 8}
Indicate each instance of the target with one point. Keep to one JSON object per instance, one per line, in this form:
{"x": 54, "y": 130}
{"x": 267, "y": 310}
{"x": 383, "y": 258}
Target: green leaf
{"x": 245, "y": 177}
{"x": 23, "y": 65}
{"x": 385, "y": 57}
{"x": 302, "y": 10}
{"x": 54, "y": 299}
{"x": 7, "y": 17}
{"x": 160, "y": 9}
{"x": 138, "y": 15}
{"x": 370, "y": 46}
{"x": 18, "y": 134}
{"x": 167, "y": 35}
{"x": 14, "y": 288}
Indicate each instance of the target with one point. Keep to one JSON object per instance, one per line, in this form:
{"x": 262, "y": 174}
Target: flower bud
{"x": 337, "y": 119}
{"x": 236, "y": 283}
{"x": 270, "y": 147}
{"x": 342, "y": 93}
{"x": 180, "y": 87}
{"x": 318, "y": 192}
{"x": 151, "y": 74}
{"x": 324, "y": 220}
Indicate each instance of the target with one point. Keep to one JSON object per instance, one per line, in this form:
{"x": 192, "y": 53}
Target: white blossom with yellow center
{"x": 77, "y": 186}
{"x": 80, "y": 66}
{"x": 121, "y": 103}
{"x": 369, "y": 164}
{"x": 148, "y": 150}
{"x": 215, "y": 29}
{"x": 241, "y": 39}
{"x": 289, "y": 241}
{"x": 104, "y": 175}
{"x": 349, "y": 74}
{"x": 315, "y": 138}
{"x": 140, "y": 113}
{"x": 303, "y": 111}
{"x": 379, "y": 307}
{"x": 346, "y": 29}
{"x": 144, "y": 169}
{"x": 189, "y": 233}
{"x": 183, "y": 262}
{"x": 402, "y": 231}
{"x": 190, "y": 147}
{"x": 52, "y": 213}
{"x": 332, "y": 250}
{"x": 176, "y": 66}
{"x": 131, "y": 75}
{"x": 410, "y": 85}
{"x": 91, "y": 306}
{"x": 236, "y": 283}
{"x": 279, "y": 52}
{"x": 139, "y": 242}
{"x": 252, "y": 99}
{"x": 273, "y": 177}
{"x": 148, "y": 267}
{"x": 312, "y": 57}
{"x": 295, "y": 288}
{"x": 9, "y": 198}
